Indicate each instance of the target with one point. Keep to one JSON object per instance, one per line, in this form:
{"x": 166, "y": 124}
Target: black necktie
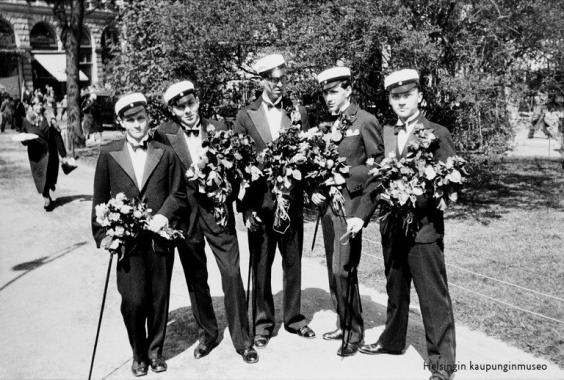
{"x": 277, "y": 105}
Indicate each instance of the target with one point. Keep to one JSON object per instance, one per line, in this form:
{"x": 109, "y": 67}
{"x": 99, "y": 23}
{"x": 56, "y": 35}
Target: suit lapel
{"x": 411, "y": 137}
{"x": 178, "y": 143}
{"x": 124, "y": 161}
{"x": 286, "y": 121}
{"x": 153, "y": 157}
{"x": 258, "y": 117}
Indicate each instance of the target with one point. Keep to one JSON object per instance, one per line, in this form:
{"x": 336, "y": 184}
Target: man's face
{"x": 136, "y": 124}
{"x": 406, "y": 104}
{"x": 186, "y": 109}
{"x": 274, "y": 84}
{"x": 336, "y": 97}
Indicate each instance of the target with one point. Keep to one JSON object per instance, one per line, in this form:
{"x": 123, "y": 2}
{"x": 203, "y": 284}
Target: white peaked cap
{"x": 129, "y": 101}
{"x": 269, "y": 62}
{"x": 333, "y": 74}
{"x": 178, "y": 90}
{"x": 401, "y": 80}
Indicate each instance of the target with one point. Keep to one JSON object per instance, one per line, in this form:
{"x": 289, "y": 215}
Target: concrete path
{"x": 539, "y": 146}
{"x": 51, "y": 281}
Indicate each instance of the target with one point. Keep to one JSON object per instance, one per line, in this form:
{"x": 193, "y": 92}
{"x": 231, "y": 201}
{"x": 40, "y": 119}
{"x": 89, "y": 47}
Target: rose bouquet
{"x": 402, "y": 181}
{"x": 124, "y": 220}
{"x": 227, "y": 158}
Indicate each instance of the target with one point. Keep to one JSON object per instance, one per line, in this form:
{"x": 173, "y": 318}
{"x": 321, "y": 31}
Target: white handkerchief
{"x": 351, "y": 132}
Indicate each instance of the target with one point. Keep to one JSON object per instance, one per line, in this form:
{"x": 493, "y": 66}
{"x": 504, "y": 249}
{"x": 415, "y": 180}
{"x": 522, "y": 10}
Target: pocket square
{"x": 351, "y": 132}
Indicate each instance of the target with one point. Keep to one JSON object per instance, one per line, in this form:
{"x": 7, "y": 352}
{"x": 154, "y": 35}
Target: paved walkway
{"x": 51, "y": 280}
{"x": 539, "y": 146}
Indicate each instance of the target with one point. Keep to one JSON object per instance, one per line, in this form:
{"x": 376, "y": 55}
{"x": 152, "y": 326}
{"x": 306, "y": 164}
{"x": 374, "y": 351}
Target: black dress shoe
{"x": 139, "y": 368}
{"x": 306, "y": 332}
{"x": 333, "y": 335}
{"x": 249, "y": 355}
{"x": 261, "y": 341}
{"x": 348, "y": 350}
{"x": 205, "y": 348}
{"x": 158, "y": 364}
{"x": 376, "y": 349}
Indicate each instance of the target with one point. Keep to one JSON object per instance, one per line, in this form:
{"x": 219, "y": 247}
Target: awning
{"x": 56, "y": 65}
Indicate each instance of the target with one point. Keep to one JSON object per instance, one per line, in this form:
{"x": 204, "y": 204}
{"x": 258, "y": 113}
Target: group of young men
{"x": 152, "y": 169}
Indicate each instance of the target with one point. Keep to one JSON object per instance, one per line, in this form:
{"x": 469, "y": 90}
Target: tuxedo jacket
{"x": 163, "y": 186}
{"x": 252, "y": 121}
{"x": 430, "y": 219}
{"x": 362, "y": 141}
{"x": 172, "y": 134}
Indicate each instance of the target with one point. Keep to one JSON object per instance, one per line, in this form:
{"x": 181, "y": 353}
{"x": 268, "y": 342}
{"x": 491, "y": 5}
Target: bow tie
{"x": 142, "y": 146}
{"x": 271, "y": 106}
{"x": 192, "y": 132}
{"x": 398, "y": 128}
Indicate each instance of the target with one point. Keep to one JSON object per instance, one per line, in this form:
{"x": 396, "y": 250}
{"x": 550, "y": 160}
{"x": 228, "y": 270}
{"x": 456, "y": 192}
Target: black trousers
{"x": 262, "y": 248}
{"x": 143, "y": 280}
{"x": 425, "y": 264}
{"x": 340, "y": 258}
{"x": 224, "y": 245}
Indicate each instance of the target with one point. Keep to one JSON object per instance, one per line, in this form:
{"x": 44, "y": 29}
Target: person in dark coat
{"x": 421, "y": 258}
{"x": 262, "y": 120}
{"x": 360, "y": 144}
{"x": 43, "y": 153}
{"x": 147, "y": 170}
{"x": 185, "y": 134}
{"x": 19, "y": 115}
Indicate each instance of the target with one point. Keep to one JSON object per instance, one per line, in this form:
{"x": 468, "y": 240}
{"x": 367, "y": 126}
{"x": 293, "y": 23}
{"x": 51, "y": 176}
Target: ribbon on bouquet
{"x": 281, "y": 214}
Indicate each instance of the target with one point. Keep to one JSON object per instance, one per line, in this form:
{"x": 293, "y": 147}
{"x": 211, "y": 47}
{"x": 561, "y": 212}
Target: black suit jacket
{"x": 430, "y": 219}
{"x": 362, "y": 141}
{"x": 172, "y": 134}
{"x": 252, "y": 121}
{"x": 163, "y": 185}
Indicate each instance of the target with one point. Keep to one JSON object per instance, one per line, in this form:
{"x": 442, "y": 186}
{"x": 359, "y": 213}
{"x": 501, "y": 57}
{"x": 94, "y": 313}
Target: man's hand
{"x": 253, "y": 222}
{"x": 157, "y": 222}
{"x": 354, "y": 225}
{"x": 318, "y": 199}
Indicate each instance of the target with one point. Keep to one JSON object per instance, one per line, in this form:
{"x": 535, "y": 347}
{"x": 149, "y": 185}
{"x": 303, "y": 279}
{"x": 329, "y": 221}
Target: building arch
{"x": 43, "y": 36}
{"x": 7, "y": 35}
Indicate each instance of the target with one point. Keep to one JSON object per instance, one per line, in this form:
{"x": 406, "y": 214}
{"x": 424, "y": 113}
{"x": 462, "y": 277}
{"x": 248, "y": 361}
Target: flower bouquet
{"x": 282, "y": 162}
{"x": 227, "y": 158}
{"x": 403, "y": 180}
{"x": 124, "y": 220}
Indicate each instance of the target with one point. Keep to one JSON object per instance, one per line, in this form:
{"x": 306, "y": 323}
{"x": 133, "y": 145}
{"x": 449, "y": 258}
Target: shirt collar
{"x": 133, "y": 142}
{"x": 196, "y": 125}
{"x": 267, "y": 100}
{"x": 410, "y": 120}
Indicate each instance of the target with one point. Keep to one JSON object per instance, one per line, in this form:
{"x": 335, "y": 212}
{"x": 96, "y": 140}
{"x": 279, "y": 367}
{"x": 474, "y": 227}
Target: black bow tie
{"x": 399, "y": 127}
{"x": 142, "y": 146}
{"x": 192, "y": 132}
{"x": 277, "y": 105}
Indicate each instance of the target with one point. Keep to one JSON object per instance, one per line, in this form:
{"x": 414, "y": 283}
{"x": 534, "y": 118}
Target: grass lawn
{"x": 510, "y": 228}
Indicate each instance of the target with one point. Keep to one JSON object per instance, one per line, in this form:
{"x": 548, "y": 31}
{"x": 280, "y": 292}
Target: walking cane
{"x": 316, "y": 228}
{"x": 101, "y": 314}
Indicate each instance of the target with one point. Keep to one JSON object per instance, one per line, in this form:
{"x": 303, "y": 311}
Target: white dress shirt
{"x": 194, "y": 143}
{"x": 273, "y": 116}
{"x": 403, "y": 134}
{"x": 138, "y": 159}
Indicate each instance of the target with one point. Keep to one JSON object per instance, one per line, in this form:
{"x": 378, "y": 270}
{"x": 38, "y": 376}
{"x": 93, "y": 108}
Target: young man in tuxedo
{"x": 143, "y": 169}
{"x": 185, "y": 134}
{"x": 263, "y": 120}
{"x": 420, "y": 258}
{"x": 359, "y": 141}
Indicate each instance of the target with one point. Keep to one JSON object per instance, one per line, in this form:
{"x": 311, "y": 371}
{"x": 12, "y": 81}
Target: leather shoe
{"x": 249, "y": 355}
{"x": 261, "y": 341}
{"x": 333, "y": 335}
{"x": 348, "y": 350}
{"x": 205, "y": 348}
{"x": 158, "y": 364}
{"x": 306, "y": 332}
{"x": 139, "y": 368}
{"x": 376, "y": 349}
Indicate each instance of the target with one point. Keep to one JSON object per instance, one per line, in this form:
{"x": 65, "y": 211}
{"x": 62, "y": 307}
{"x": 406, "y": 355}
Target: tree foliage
{"x": 468, "y": 52}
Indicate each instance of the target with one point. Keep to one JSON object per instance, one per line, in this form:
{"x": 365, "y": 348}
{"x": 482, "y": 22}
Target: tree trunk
{"x": 71, "y": 40}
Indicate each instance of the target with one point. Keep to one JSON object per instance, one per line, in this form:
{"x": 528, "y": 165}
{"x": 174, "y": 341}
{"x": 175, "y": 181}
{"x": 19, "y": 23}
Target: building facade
{"x": 31, "y": 51}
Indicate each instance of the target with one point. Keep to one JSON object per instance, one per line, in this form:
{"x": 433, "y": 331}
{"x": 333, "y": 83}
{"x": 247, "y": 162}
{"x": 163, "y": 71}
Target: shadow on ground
{"x": 61, "y": 201}
{"x": 182, "y": 331}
